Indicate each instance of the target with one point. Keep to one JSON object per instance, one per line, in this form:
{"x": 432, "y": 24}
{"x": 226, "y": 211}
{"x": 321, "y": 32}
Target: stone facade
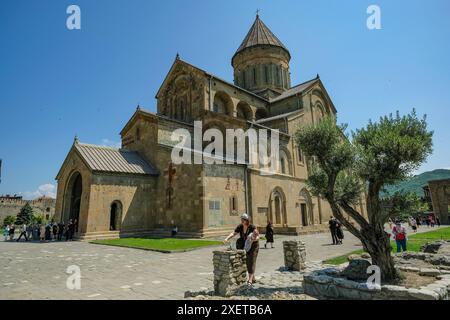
{"x": 229, "y": 271}
{"x": 294, "y": 255}
{"x": 10, "y": 206}
{"x": 205, "y": 200}
{"x": 440, "y": 198}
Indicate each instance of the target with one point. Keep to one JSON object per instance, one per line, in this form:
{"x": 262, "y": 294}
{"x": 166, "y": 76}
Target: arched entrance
{"x": 115, "y": 216}
{"x": 306, "y": 208}
{"x": 75, "y": 190}
{"x": 277, "y": 208}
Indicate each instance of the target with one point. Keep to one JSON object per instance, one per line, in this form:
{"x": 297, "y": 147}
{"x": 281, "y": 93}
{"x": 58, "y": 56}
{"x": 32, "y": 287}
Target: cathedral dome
{"x": 261, "y": 63}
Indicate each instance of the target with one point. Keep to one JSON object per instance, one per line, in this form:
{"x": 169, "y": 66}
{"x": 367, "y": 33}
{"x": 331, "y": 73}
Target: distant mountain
{"x": 415, "y": 183}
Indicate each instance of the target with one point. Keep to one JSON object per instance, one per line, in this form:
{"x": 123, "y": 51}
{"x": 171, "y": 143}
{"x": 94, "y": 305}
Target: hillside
{"x": 415, "y": 184}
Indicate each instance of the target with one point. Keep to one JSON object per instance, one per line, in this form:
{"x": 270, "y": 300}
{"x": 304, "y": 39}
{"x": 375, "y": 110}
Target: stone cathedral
{"x": 137, "y": 190}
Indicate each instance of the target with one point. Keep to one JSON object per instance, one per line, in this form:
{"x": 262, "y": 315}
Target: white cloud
{"x": 112, "y": 144}
{"x": 48, "y": 190}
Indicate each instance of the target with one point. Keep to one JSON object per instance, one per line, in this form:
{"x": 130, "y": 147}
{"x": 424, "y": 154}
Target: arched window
{"x": 233, "y": 205}
{"x": 223, "y": 104}
{"x": 244, "y": 111}
{"x": 138, "y": 134}
{"x": 285, "y": 164}
{"x": 299, "y": 154}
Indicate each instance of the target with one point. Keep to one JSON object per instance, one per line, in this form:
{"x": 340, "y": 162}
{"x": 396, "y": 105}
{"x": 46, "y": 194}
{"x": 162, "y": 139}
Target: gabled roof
{"x": 208, "y": 74}
{"x": 260, "y": 34}
{"x": 294, "y": 90}
{"x": 111, "y": 160}
{"x": 280, "y": 116}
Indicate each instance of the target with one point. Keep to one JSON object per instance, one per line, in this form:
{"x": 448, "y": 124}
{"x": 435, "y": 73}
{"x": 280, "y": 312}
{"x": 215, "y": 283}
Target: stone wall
{"x": 43, "y": 206}
{"x": 327, "y": 284}
{"x": 229, "y": 271}
{"x": 294, "y": 255}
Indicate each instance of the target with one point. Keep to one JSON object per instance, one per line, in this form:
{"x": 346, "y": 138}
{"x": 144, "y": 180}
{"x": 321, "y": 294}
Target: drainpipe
{"x": 210, "y": 94}
{"x": 248, "y": 208}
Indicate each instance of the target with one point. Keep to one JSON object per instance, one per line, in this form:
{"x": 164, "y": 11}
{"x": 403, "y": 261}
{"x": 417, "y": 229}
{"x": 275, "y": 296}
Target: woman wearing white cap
{"x": 248, "y": 240}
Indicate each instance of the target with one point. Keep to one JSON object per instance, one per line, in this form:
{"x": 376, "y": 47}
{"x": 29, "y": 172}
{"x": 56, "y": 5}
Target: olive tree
{"x": 349, "y": 167}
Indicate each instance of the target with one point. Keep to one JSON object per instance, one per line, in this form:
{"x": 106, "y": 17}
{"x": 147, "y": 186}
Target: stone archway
{"x": 277, "y": 208}
{"x": 306, "y": 208}
{"x": 244, "y": 111}
{"x": 73, "y": 198}
{"x": 115, "y": 216}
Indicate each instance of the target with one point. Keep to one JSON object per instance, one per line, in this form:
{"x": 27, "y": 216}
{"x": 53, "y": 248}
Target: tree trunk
{"x": 378, "y": 245}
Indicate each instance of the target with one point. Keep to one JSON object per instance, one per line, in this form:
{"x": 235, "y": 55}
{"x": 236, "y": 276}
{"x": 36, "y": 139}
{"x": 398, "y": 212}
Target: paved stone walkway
{"x": 38, "y": 271}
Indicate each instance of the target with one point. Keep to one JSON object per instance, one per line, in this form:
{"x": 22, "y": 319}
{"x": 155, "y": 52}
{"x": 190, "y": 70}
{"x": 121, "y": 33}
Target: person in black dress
{"x": 269, "y": 235}
{"x": 333, "y": 230}
{"x": 244, "y": 230}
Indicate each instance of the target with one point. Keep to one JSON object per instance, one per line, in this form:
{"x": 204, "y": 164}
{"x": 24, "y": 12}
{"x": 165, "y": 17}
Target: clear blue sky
{"x": 55, "y": 83}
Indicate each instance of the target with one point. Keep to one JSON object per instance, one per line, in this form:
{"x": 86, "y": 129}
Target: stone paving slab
{"x": 38, "y": 271}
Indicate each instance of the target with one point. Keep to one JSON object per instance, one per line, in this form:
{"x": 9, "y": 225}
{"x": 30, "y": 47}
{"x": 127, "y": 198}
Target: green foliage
{"x": 402, "y": 205}
{"x": 164, "y": 244}
{"x": 382, "y": 153}
{"x": 39, "y": 218}
{"x": 414, "y": 243}
{"x": 389, "y": 150}
{"x": 25, "y": 215}
{"x": 9, "y": 220}
{"x": 415, "y": 183}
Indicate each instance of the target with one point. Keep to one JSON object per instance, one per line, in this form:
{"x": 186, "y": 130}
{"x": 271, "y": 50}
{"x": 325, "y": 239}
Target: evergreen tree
{"x": 25, "y": 215}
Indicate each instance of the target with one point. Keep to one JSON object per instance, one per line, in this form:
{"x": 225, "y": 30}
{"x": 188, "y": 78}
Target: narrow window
{"x": 300, "y": 154}
{"x": 254, "y": 76}
{"x": 266, "y": 74}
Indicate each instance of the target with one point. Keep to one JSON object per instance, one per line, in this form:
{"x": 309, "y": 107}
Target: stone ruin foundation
{"x": 229, "y": 271}
{"x": 350, "y": 282}
{"x": 294, "y": 255}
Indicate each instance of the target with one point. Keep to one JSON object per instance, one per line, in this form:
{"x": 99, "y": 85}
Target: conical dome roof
{"x": 260, "y": 34}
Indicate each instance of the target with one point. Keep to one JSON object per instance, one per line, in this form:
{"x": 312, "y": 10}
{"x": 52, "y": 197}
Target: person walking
{"x": 332, "y": 224}
{"x": 339, "y": 232}
{"x": 23, "y": 232}
{"x": 30, "y": 231}
{"x": 438, "y": 221}
{"x": 6, "y": 232}
{"x": 55, "y": 230}
{"x": 48, "y": 232}
{"x": 12, "y": 230}
{"x": 413, "y": 224}
{"x": 399, "y": 233}
{"x": 36, "y": 232}
{"x": 42, "y": 232}
{"x": 60, "y": 231}
{"x": 247, "y": 232}
{"x": 432, "y": 222}
{"x": 269, "y": 235}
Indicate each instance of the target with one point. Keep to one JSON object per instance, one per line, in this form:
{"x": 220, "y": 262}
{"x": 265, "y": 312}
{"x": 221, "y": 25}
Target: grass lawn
{"x": 159, "y": 244}
{"x": 415, "y": 241}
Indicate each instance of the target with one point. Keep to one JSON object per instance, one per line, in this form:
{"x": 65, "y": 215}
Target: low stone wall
{"x": 229, "y": 271}
{"x": 294, "y": 255}
{"x": 326, "y": 284}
